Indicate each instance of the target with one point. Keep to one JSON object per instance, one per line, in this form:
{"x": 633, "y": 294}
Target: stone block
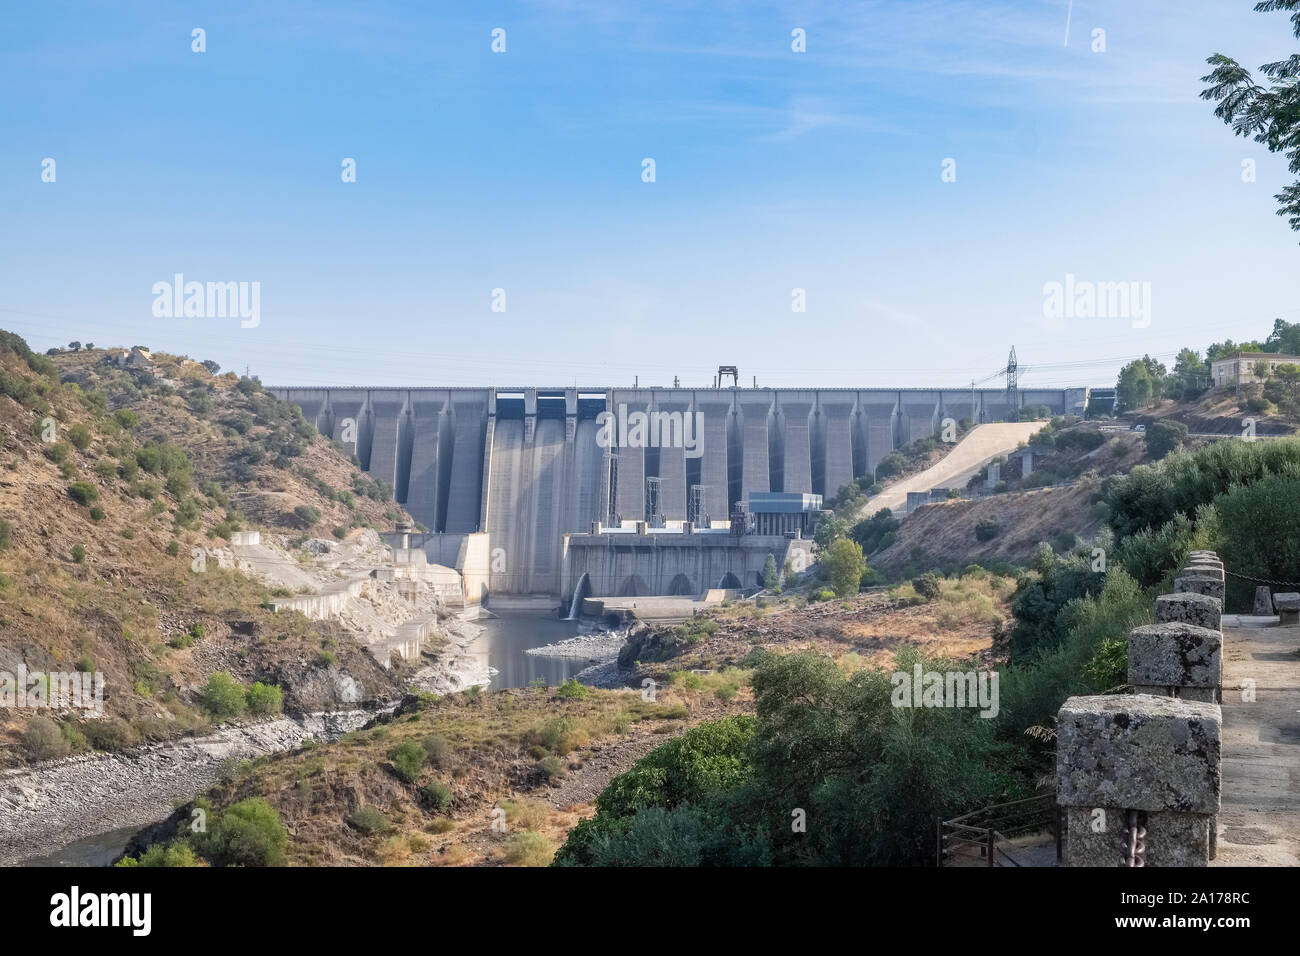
{"x": 1194, "y": 570}
{"x": 1172, "y": 839}
{"x": 1175, "y": 654}
{"x": 1200, "y": 585}
{"x": 1189, "y": 608}
{"x": 1263, "y": 602}
{"x": 1288, "y": 607}
{"x": 1138, "y": 752}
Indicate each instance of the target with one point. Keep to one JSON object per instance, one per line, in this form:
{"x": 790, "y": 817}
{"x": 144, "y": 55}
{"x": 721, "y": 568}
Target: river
{"x": 506, "y": 637}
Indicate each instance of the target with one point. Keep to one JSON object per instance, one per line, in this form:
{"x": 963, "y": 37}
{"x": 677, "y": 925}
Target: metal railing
{"x": 992, "y": 830}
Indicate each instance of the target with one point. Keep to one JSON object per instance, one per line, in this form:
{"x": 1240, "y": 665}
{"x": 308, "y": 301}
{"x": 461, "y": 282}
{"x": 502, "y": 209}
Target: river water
{"x": 505, "y": 638}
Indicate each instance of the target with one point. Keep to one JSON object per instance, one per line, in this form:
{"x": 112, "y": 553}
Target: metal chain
{"x": 1137, "y": 841}
{"x": 1247, "y": 577}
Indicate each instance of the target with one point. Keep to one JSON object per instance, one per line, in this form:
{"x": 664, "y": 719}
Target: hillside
{"x": 426, "y": 786}
{"x": 1222, "y": 412}
{"x": 120, "y": 488}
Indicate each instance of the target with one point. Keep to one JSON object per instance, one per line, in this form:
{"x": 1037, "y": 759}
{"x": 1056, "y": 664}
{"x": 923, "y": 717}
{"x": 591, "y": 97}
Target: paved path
{"x": 982, "y": 444}
{"x": 1259, "y": 824}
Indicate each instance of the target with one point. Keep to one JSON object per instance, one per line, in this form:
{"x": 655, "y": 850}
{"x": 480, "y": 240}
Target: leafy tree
{"x": 1189, "y": 378}
{"x": 770, "y": 579}
{"x": 844, "y": 565}
{"x": 1259, "y": 533}
{"x": 828, "y": 529}
{"x": 1163, "y": 437}
{"x": 1133, "y": 390}
{"x": 1270, "y": 114}
{"x": 1285, "y": 338}
{"x": 877, "y": 532}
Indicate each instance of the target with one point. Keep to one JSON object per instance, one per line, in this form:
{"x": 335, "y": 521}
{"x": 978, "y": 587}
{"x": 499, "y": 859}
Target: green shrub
{"x": 437, "y": 751}
{"x": 126, "y": 418}
{"x": 527, "y": 848}
{"x": 78, "y": 554}
{"x": 986, "y": 529}
{"x": 83, "y": 492}
{"x": 80, "y": 436}
{"x": 927, "y": 586}
{"x": 44, "y": 740}
{"x": 6, "y": 534}
{"x": 223, "y": 697}
{"x": 110, "y": 734}
{"x": 367, "y": 820}
{"x": 408, "y": 760}
{"x": 571, "y": 689}
{"x": 264, "y": 699}
{"x": 175, "y": 854}
{"x": 438, "y": 795}
{"x": 693, "y": 768}
{"x": 1163, "y": 437}
{"x": 552, "y": 767}
{"x": 247, "y": 833}
{"x": 1108, "y": 668}
{"x": 307, "y": 514}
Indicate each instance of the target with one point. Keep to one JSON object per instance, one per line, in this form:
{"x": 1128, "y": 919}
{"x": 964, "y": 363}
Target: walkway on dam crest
{"x": 981, "y": 445}
{"x": 1259, "y": 822}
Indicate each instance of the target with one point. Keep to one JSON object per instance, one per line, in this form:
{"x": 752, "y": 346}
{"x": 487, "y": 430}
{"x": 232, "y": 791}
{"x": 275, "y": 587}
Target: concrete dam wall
{"x": 527, "y": 465}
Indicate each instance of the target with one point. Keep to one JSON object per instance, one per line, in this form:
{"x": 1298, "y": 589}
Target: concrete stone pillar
{"x": 1263, "y": 601}
{"x": 1139, "y": 777}
{"x": 1189, "y": 608}
{"x": 1176, "y": 659}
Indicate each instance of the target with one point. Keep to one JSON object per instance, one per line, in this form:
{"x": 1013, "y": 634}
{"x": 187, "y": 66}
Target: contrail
{"x": 1067, "y": 22}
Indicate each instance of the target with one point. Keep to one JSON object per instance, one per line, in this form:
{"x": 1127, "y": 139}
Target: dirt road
{"x": 981, "y": 444}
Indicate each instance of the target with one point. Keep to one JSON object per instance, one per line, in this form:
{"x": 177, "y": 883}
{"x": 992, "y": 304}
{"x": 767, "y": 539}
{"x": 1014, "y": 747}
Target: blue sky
{"x": 522, "y": 171}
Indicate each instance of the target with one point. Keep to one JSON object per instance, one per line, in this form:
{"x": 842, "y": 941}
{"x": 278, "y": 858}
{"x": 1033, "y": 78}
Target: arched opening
{"x": 681, "y": 586}
{"x": 729, "y": 582}
{"x": 634, "y": 586}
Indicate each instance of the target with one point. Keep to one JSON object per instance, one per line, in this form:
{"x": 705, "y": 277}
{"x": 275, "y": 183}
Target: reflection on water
{"x": 503, "y": 642}
{"x": 98, "y": 850}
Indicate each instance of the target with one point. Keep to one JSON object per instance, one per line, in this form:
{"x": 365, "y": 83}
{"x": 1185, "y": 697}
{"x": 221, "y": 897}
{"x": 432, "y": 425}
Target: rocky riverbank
{"x": 49, "y": 805}
{"x": 598, "y": 644}
{"x": 452, "y": 670}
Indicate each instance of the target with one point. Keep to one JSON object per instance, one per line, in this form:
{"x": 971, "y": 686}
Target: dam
{"x": 527, "y": 466}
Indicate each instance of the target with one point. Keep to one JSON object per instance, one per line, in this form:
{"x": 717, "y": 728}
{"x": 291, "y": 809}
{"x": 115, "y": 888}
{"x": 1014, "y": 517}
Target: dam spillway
{"x": 527, "y": 465}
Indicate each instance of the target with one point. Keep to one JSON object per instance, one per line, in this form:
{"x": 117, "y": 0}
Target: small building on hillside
{"x": 1238, "y": 368}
